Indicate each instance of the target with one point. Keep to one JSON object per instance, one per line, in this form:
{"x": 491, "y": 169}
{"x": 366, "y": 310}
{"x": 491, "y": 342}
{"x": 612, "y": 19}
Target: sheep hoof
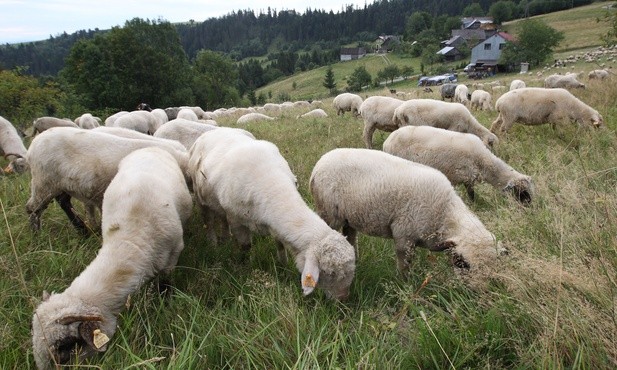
{"x": 459, "y": 262}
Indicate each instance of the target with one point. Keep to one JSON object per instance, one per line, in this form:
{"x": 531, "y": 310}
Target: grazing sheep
{"x": 109, "y": 121}
{"x": 12, "y": 147}
{"x": 183, "y": 130}
{"x": 440, "y": 114}
{"x": 272, "y": 108}
{"x": 377, "y": 112}
{"x": 44, "y": 123}
{"x": 87, "y": 121}
{"x": 382, "y": 195}
{"x": 160, "y": 115}
{"x": 315, "y": 113}
{"x": 138, "y": 120}
{"x": 347, "y": 102}
{"x": 82, "y": 319}
{"x": 517, "y": 84}
{"x": 447, "y": 91}
{"x": 537, "y": 106}
{"x": 249, "y": 183}
{"x": 568, "y": 81}
{"x": 463, "y": 158}
{"x": 461, "y": 94}
{"x": 482, "y": 100}
{"x": 599, "y": 74}
{"x": 187, "y": 114}
{"x": 253, "y": 117}
{"x": 67, "y": 162}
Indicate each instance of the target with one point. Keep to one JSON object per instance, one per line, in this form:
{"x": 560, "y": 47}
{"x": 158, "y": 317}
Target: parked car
{"x": 437, "y": 80}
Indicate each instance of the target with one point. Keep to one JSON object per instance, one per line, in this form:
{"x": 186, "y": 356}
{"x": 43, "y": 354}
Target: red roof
{"x": 506, "y": 36}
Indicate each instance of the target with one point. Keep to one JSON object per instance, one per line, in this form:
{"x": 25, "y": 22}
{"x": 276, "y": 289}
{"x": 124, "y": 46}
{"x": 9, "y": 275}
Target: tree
{"x": 502, "y": 11}
{"x": 358, "y": 79}
{"x": 214, "y": 80}
{"x": 389, "y": 73}
{"x": 610, "y": 38}
{"x": 473, "y": 10}
{"x": 535, "y": 44}
{"x": 406, "y": 72}
{"x": 329, "y": 82}
{"x": 416, "y": 23}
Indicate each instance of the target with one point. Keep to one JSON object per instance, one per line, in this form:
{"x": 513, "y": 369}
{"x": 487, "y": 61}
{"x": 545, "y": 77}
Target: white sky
{"x": 32, "y": 20}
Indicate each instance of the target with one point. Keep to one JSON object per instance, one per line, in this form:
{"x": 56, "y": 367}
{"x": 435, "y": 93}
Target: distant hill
{"x": 244, "y": 33}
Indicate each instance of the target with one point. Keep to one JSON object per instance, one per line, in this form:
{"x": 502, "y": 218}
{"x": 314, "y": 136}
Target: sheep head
{"x": 331, "y": 265}
{"x": 522, "y": 188}
{"x": 65, "y": 329}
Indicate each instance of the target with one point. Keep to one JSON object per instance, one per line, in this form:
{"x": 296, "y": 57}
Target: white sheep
{"x": 461, "y": 94}
{"x": 441, "y": 114}
{"x": 160, "y": 115}
{"x": 253, "y": 117}
{"x": 517, "y": 84}
{"x": 67, "y": 162}
{"x": 183, "y": 130}
{"x": 599, "y": 74}
{"x": 482, "y": 100}
{"x": 377, "y": 112}
{"x": 567, "y": 81}
{"x": 347, "y": 102}
{"x": 187, "y": 114}
{"x": 382, "y": 195}
{"x": 83, "y": 319}
{"x": 463, "y": 158}
{"x": 87, "y": 121}
{"x": 537, "y": 106}
{"x": 315, "y": 113}
{"x": 272, "y": 108}
{"x": 249, "y": 183}
{"x": 109, "y": 121}
{"x": 44, "y": 123}
{"x": 12, "y": 147}
{"x": 138, "y": 120}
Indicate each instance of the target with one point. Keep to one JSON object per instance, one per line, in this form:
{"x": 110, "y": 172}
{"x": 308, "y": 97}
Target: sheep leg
{"x": 496, "y": 126}
{"x": 281, "y": 253}
{"x": 350, "y": 233}
{"x": 242, "y": 234}
{"x": 404, "y": 255}
{"x": 369, "y": 129}
{"x": 470, "y": 192}
{"x": 209, "y": 219}
{"x": 64, "y": 200}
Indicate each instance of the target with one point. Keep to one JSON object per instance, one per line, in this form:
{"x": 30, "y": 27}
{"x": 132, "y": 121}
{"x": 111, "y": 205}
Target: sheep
{"x": 12, "y": 148}
{"x": 109, "y": 121}
{"x": 43, "y": 123}
{"x": 138, "y": 120}
{"x": 517, "y": 84}
{"x": 272, "y": 108}
{"x": 386, "y": 196}
{"x": 377, "y": 112}
{"x": 83, "y": 319}
{"x": 160, "y": 115}
{"x": 440, "y": 114}
{"x": 347, "y": 102}
{"x": 253, "y": 117}
{"x": 87, "y": 121}
{"x": 461, "y": 94}
{"x": 249, "y": 183}
{"x": 463, "y": 158}
{"x": 188, "y": 114}
{"x": 315, "y": 113}
{"x": 563, "y": 81}
{"x": 447, "y": 91}
{"x": 599, "y": 74}
{"x": 482, "y": 100}
{"x": 536, "y": 106}
{"x": 67, "y": 162}
{"x": 182, "y": 130}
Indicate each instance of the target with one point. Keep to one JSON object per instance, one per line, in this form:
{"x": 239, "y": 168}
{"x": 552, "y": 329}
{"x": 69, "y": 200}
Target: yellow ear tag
{"x": 309, "y": 281}
{"x": 100, "y": 339}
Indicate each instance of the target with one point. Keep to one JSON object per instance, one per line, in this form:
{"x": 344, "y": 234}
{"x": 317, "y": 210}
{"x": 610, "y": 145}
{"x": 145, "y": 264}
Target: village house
{"x": 485, "y": 55}
{"x": 352, "y": 53}
{"x": 386, "y": 43}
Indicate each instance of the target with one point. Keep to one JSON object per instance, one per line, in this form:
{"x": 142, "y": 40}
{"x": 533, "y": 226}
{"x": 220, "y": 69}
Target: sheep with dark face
{"x": 81, "y": 320}
{"x": 463, "y": 158}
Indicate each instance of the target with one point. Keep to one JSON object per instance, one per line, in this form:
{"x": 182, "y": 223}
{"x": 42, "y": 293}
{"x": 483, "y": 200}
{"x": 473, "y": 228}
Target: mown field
{"x": 551, "y": 303}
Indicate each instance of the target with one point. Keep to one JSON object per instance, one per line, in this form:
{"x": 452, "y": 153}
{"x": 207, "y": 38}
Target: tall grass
{"x": 551, "y": 303}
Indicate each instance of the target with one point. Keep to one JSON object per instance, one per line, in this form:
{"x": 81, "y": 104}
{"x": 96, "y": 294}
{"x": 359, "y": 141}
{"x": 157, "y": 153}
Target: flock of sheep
{"x": 243, "y": 185}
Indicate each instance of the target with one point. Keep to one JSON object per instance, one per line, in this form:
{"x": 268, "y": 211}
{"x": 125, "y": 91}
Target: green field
{"x": 551, "y": 303}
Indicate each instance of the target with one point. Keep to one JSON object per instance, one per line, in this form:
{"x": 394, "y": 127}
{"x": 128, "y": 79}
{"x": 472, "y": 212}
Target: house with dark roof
{"x": 352, "y": 53}
{"x": 385, "y": 43}
{"x": 474, "y": 29}
{"x": 450, "y": 53}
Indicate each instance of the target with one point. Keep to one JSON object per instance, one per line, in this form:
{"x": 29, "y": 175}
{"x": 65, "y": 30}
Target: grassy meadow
{"x": 550, "y": 304}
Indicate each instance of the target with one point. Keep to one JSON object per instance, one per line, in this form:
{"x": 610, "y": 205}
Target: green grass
{"x": 550, "y": 304}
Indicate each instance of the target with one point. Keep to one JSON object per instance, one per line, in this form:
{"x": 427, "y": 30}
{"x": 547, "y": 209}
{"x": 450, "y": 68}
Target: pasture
{"x": 551, "y": 303}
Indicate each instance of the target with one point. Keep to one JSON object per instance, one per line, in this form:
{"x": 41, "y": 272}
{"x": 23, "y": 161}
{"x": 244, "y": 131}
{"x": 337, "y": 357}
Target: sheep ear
{"x": 91, "y": 333}
{"x": 45, "y": 296}
{"x": 310, "y": 275}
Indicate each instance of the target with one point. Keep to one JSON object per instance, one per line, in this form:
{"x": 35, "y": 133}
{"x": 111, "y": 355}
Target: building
{"x": 352, "y": 53}
{"x": 474, "y": 29}
{"x": 450, "y": 54}
{"x": 386, "y": 43}
{"x": 485, "y": 55}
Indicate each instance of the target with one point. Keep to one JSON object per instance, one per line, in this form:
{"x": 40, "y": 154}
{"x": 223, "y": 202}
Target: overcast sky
{"x": 32, "y": 20}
